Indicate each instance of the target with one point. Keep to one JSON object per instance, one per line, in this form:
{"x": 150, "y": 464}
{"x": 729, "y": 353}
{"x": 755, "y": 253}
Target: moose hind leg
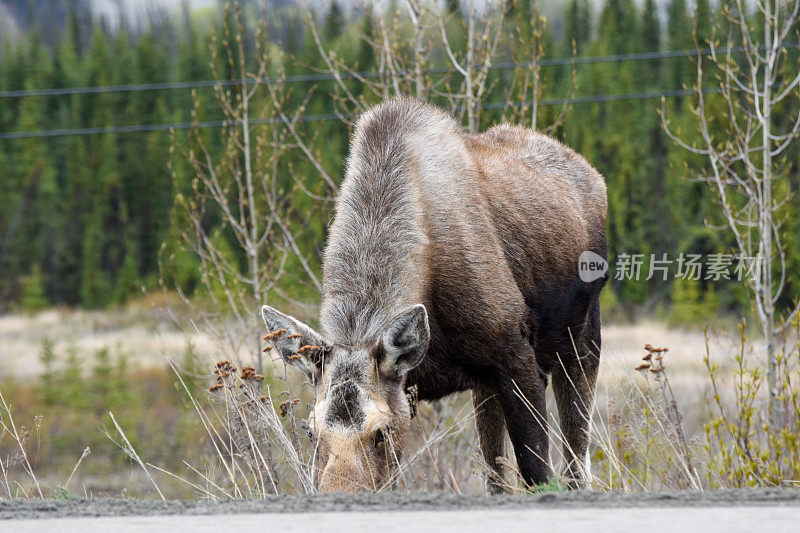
{"x": 491, "y": 434}
{"x": 574, "y": 381}
{"x": 522, "y": 395}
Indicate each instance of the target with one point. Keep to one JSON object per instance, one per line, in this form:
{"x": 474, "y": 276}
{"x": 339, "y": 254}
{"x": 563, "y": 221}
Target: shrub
{"x": 744, "y": 449}
{"x": 33, "y": 297}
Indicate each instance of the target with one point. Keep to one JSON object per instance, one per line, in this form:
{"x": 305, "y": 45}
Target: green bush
{"x": 33, "y": 297}
{"x": 690, "y": 305}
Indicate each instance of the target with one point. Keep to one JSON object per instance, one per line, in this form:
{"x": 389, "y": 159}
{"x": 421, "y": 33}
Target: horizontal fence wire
{"x": 327, "y": 76}
{"x": 137, "y": 128}
{"x": 322, "y": 117}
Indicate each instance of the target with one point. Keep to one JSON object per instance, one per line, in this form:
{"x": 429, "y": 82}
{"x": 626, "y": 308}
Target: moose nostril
{"x": 380, "y": 437}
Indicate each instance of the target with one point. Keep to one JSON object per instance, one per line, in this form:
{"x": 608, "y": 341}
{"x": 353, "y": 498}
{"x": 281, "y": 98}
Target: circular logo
{"x": 591, "y": 266}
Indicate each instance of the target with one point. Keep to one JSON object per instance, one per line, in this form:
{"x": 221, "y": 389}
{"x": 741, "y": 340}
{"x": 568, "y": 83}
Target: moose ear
{"x": 295, "y": 342}
{"x": 405, "y": 342}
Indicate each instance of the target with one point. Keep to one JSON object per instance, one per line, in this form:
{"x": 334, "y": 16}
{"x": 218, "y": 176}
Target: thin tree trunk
{"x": 416, "y": 11}
{"x": 471, "y": 119}
{"x": 766, "y": 221}
{"x": 535, "y": 96}
{"x": 252, "y": 252}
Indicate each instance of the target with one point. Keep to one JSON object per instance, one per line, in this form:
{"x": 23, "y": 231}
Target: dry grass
{"x": 148, "y": 332}
{"x": 262, "y": 444}
{"x": 650, "y": 429}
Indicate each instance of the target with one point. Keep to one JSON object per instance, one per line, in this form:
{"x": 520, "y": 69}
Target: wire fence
{"x": 327, "y": 76}
{"x": 138, "y": 128}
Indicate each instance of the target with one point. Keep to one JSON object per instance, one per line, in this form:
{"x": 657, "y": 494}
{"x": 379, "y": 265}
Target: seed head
{"x": 308, "y": 348}
{"x": 275, "y": 334}
{"x": 285, "y": 406}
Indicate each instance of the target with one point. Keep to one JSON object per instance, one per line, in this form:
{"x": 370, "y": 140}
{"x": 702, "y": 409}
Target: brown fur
{"x": 491, "y": 434}
{"x": 485, "y": 231}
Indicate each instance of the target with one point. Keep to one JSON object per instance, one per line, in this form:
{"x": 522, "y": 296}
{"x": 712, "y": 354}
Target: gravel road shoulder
{"x": 394, "y": 502}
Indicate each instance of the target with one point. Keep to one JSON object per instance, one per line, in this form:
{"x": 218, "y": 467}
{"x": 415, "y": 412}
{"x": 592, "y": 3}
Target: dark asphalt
{"x": 395, "y": 502}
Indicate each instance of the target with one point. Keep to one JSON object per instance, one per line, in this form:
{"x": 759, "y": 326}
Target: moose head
{"x": 361, "y": 415}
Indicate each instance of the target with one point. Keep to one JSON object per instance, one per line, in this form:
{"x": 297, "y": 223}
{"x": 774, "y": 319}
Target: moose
{"x": 452, "y": 265}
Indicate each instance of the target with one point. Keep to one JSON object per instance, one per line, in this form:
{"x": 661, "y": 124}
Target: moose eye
{"x": 380, "y": 436}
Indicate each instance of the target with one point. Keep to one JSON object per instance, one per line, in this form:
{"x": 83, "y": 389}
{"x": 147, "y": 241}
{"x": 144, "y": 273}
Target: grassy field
{"x": 152, "y": 332}
{"x": 64, "y": 371}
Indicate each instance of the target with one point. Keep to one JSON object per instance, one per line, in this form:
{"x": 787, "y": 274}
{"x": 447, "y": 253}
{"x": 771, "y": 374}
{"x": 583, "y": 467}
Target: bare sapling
{"x": 234, "y": 217}
{"x": 484, "y": 32}
{"x": 743, "y": 144}
{"x": 525, "y": 94}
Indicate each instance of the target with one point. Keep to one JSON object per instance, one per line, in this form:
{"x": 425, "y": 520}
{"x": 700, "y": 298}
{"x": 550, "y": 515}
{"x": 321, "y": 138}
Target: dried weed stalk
{"x": 24, "y": 459}
{"x": 639, "y": 444}
{"x": 21, "y": 458}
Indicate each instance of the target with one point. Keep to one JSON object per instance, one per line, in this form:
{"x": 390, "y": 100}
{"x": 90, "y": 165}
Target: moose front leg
{"x": 522, "y": 394}
{"x": 491, "y": 433}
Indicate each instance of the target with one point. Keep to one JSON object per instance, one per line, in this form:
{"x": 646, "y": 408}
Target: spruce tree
{"x": 127, "y": 283}
{"x": 577, "y": 26}
{"x": 99, "y": 245}
{"x": 71, "y": 165}
{"x": 650, "y": 42}
{"x": 95, "y": 281}
{"x": 617, "y": 28}
{"x": 366, "y": 52}
{"x": 334, "y": 22}
{"x": 39, "y": 225}
{"x": 703, "y": 21}
{"x": 679, "y": 37}
{"x": 33, "y": 296}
